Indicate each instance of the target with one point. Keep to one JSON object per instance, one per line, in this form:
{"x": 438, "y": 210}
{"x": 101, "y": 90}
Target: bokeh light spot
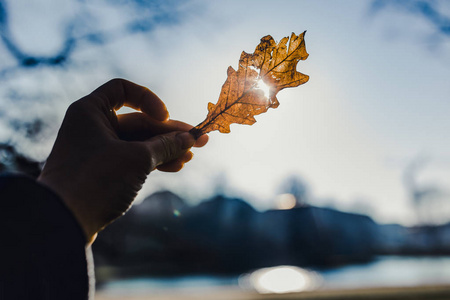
{"x": 285, "y": 201}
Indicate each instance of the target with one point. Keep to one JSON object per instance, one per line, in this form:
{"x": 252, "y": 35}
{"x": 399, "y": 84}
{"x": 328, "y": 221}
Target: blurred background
{"x": 346, "y": 185}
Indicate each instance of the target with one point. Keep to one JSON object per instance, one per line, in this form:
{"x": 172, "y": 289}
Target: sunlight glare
{"x": 283, "y": 279}
{"x": 261, "y": 85}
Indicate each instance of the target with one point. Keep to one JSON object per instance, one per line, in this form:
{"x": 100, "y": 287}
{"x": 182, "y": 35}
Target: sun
{"x": 261, "y": 85}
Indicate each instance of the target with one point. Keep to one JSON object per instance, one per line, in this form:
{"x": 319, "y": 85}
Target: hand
{"x": 100, "y": 160}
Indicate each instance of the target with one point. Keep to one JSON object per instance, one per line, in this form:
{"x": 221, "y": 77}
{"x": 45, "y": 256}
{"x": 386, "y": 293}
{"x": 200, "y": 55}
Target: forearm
{"x": 43, "y": 253}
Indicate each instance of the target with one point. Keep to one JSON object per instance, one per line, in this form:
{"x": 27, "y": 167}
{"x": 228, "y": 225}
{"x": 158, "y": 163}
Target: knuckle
{"x": 116, "y": 80}
{"x": 76, "y": 107}
{"x": 168, "y": 149}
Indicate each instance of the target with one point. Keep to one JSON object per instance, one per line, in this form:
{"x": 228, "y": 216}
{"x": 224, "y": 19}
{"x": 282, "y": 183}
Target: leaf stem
{"x": 196, "y": 132}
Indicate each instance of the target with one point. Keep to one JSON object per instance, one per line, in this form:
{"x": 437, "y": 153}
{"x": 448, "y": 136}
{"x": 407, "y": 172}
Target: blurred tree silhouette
{"x": 148, "y": 14}
{"x": 297, "y": 187}
{"x": 425, "y": 198}
{"x": 33, "y": 83}
{"x": 11, "y": 161}
{"x": 429, "y": 10}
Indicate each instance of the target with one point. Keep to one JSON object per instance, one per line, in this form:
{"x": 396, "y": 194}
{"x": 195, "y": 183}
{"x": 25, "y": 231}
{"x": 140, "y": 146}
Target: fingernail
{"x": 186, "y": 139}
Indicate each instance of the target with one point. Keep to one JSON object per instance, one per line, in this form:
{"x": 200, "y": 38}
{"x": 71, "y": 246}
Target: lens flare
{"x": 261, "y": 85}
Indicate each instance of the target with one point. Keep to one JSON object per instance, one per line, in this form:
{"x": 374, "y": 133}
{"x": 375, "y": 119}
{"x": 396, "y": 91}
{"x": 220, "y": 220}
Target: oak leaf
{"x": 252, "y": 89}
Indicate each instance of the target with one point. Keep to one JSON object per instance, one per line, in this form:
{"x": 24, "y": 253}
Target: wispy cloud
{"x": 431, "y": 11}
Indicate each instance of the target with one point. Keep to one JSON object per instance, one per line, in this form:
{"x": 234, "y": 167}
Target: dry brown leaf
{"x": 252, "y": 89}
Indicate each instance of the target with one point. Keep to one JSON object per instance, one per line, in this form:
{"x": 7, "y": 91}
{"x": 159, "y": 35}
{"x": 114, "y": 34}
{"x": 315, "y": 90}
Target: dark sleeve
{"x": 42, "y": 248}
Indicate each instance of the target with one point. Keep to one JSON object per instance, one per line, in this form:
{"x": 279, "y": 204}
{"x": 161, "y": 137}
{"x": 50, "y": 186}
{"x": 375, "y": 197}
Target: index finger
{"x": 120, "y": 92}
{"x": 139, "y": 127}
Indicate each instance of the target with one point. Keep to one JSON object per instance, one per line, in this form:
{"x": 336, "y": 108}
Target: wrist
{"x": 80, "y": 214}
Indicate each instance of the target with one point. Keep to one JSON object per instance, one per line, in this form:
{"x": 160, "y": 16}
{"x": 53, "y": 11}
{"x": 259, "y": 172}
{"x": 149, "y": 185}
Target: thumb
{"x": 168, "y": 147}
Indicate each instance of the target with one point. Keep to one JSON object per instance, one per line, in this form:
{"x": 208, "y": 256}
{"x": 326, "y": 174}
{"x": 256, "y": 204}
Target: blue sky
{"x": 377, "y": 99}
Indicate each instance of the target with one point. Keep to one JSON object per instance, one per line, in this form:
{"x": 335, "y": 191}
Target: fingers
{"x": 201, "y": 141}
{"x": 140, "y": 127}
{"x": 120, "y": 92}
{"x": 177, "y": 164}
{"x": 167, "y": 141}
{"x": 169, "y": 147}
